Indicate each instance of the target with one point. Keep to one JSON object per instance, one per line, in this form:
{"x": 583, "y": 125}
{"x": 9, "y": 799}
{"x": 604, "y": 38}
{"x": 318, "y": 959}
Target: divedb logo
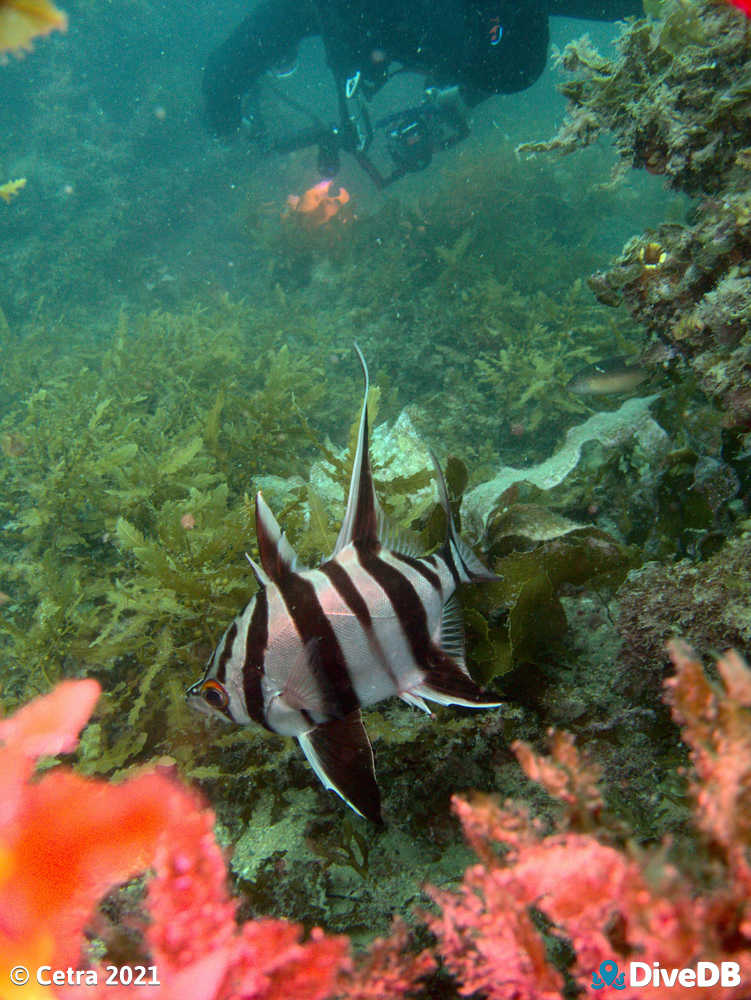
{"x": 608, "y": 976}
{"x": 727, "y": 974}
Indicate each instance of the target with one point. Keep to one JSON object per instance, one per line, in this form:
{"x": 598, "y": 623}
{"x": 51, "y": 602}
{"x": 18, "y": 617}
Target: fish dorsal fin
{"x": 468, "y": 566}
{"x": 258, "y": 571}
{"x": 360, "y": 524}
{"x": 452, "y": 631}
{"x": 396, "y": 539}
{"x": 341, "y": 755}
{"x": 278, "y": 558}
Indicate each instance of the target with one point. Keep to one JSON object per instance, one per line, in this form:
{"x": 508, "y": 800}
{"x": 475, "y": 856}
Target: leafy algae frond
{"x": 123, "y": 499}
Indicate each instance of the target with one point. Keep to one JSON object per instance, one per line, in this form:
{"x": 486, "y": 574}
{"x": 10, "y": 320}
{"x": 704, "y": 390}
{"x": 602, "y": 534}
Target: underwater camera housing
{"x": 414, "y": 135}
{"x": 410, "y": 143}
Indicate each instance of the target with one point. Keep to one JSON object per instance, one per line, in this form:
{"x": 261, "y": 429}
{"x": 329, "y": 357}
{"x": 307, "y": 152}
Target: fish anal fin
{"x": 340, "y": 753}
{"x": 447, "y": 684}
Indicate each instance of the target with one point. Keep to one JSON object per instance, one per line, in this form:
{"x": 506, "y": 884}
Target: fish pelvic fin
{"x": 362, "y": 517}
{"x": 340, "y": 753}
{"x": 464, "y": 564}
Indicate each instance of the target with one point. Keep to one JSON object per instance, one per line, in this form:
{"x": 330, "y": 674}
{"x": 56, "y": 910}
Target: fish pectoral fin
{"x": 341, "y": 755}
{"x": 303, "y": 687}
{"x": 306, "y": 683}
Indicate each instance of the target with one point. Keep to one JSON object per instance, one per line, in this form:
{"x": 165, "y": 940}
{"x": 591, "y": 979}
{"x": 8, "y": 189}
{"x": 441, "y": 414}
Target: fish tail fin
{"x": 462, "y": 561}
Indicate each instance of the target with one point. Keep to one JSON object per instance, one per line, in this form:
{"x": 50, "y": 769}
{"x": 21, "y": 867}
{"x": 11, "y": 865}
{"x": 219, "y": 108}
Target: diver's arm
{"x": 265, "y": 37}
{"x": 597, "y": 10}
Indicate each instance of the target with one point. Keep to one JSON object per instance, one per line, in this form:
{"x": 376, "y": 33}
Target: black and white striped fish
{"x": 314, "y": 646}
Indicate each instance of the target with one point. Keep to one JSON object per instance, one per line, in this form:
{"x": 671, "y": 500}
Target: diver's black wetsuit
{"x": 436, "y": 37}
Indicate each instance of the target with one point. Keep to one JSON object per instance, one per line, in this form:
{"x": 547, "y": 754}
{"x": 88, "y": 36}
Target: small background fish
{"x": 607, "y": 377}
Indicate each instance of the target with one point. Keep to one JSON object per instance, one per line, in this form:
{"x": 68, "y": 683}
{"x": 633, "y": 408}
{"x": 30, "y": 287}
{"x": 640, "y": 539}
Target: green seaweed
{"x": 514, "y": 620}
{"x": 681, "y": 24}
{"x": 126, "y": 517}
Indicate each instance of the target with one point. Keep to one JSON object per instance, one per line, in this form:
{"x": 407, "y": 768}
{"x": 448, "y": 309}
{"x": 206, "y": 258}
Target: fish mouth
{"x": 197, "y": 703}
{"x": 195, "y": 700}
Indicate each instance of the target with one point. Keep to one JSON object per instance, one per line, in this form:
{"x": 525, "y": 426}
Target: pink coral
{"x": 200, "y": 951}
{"x": 64, "y": 840}
{"x": 389, "y": 969}
{"x": 487, "y": 933}
{"x": 609, "y": 904}
{"x": 564, "y": 775}
{"x": 187, "y": 899}
{"x": 716, "y": 724}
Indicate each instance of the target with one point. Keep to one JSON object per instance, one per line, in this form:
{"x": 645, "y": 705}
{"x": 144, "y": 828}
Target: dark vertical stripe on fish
{"x": 342, "y": 583}
{"x": 348, "y": 592}
{"x": 256, "y": 641}
{"x": 448, "y": 557}
{"x": 406, "y": 603}
{"x": 228, "y": 641}
{"x": 418, "y": 565}
{"x": 337, "y": 693}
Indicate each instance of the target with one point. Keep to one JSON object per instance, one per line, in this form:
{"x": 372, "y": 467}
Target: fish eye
{"x": 215, "y": 694}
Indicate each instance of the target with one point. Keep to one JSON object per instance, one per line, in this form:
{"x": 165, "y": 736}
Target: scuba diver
{"x": 468, "y": 50}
